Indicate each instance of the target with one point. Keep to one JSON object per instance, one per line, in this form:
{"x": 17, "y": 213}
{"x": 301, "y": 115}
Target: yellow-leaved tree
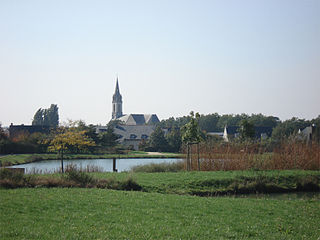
{"x": 68, "y": 138}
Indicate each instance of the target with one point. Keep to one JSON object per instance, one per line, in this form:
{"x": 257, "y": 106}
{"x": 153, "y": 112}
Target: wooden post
{"x": 114, "y": 165}
{"x": 62, "y": 161}
{"x": 190, "y": 162}
{"x": 188, "y": 155}
{"x": 198, "y": 157}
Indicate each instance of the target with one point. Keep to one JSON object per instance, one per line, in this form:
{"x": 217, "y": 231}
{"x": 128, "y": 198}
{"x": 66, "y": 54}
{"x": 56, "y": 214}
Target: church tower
{"x": 117, "y": 103}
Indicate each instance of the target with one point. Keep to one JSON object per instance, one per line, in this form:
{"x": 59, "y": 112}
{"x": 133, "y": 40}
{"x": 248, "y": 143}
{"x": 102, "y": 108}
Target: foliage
{"x": 174, "y": 140}
{"x": 290, "y": 154}
{"x": 108, "y": 138}
{"x": 288, "y": 127}
{"x": 3, "y": 135}
{"x": 247, "y": 130}
{"x": 73, "y": 174}
{"x": 159, "y": 167}
{"x": 216, "y": 123}
{"x": 157, "y": 141}
{"x": 70, "y": 139}
{"x": 47, "y": 117}
{"x": 191, "y": 131}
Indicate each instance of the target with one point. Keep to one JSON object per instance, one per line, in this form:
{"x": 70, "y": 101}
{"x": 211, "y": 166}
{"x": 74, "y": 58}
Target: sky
{"x": 171, "y": 57}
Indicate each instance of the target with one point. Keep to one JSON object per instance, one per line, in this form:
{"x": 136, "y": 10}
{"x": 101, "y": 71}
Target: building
{"x": 231, "y": 132}
{"x": 16, "y": 130}
{"x": 117, "y": 103}
{"x": 131, "y": 128}
{"x": 308, "y": 133}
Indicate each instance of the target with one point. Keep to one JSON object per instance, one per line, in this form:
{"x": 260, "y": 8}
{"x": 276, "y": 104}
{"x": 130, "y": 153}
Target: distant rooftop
{"x": 139, "y": 119}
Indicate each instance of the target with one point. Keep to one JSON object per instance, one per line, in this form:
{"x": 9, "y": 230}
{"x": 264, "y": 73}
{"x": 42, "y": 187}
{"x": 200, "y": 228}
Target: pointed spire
{"x": 117, "y": 91}
{"x": 117, "y": 96}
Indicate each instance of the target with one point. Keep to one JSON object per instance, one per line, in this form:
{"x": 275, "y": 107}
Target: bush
{"x": 77, "y": 176}
{"x": 159, "y": 167}
{"x": 9, "y": 178}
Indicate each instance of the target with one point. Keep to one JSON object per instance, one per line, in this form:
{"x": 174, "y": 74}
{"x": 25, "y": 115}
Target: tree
{"x": 174, "y": 140}
{"x": 38, "y": 118}
{"x": 47, "y": 117}
{"x": 209, "y": 122}
{"x": 69, "y": 138}
{"x": 3, "y": 135}
{"x": 289, "y": 127}
{"x": 247, "y": 130}
{"x": 52, "y": 115}
{"x": 157, "y": 141}
{"x": 191, "y": 131}
{"x": 108, "y": 138}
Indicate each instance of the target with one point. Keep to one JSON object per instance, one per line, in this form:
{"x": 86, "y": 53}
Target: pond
{"x": 104, "y": 165}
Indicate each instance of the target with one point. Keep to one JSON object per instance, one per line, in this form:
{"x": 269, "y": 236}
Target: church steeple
{"x": 117, "y": 103}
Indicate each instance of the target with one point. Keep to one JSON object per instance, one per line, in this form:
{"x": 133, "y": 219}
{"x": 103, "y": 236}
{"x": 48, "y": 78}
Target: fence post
{"x": 188, "y": 157}
{"x": 114, "y": 165}
{"x": 198, "y": 157}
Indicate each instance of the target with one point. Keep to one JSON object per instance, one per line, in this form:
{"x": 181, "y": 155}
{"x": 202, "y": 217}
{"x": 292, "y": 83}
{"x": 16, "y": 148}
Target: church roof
{"x": 132, "y": 132}
{"x": 139, "y": 119}
{"x": 117, "y": 96}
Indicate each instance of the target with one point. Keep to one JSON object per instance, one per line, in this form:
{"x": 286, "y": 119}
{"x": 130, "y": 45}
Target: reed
{"x": 290, "y": 154}
{"x": 74, "y": 177}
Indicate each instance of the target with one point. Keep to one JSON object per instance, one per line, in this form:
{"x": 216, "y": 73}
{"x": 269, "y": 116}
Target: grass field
{"x": 60, "y": 213}
{"x": 13, "y": 159}
{"x": 212, "y": 182}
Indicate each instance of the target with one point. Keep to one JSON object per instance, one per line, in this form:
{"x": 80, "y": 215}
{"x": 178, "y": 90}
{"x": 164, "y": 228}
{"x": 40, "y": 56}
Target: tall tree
{"x": 174, "y": 140}
{"x": 157, "y": 141}
{"x": 38, "y": 117}
{"x": 53, "y": 115}
{"x": 247, "y": 130}
{"x": 69, "y": 138}
{"x": 47, "y": 117}
{"x": 191, "y": 131}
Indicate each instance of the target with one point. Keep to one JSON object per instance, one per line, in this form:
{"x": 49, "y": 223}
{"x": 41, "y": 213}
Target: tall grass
{"x": 73, "y": 177}
{"x": 254, "y": 156}
{"x": 159, "y": 167}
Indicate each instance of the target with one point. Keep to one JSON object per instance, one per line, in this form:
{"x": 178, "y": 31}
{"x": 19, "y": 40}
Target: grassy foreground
{"x": 221, "y": 182}
{"x": 78, "y": 213}
{"x": 14, "y": 159}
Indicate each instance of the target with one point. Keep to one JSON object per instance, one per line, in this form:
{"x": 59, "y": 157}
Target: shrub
{"x": 159, "y": 167}
{"x": 9, "y": 178}
{"x": 77, "y": 176}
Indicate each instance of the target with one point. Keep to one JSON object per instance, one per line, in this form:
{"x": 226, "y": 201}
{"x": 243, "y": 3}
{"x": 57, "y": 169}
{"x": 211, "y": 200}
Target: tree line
{"x": 216, "y": 123}
{"x": 67, "y": 136}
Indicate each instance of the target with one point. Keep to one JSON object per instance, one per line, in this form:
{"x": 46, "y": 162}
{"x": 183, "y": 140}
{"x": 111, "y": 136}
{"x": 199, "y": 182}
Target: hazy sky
{"x": 171, "y": 57}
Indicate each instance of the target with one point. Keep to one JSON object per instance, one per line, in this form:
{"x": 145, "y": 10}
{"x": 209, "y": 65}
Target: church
{"x": 132, "y": 128}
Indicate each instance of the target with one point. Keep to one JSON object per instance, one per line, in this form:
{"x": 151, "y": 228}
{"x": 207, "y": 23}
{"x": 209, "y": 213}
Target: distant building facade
{"x": 231, "y": 132}
{"x": 16, "y": 130}
{"x": 308, "y": 133}
{"x": 132, "y": 128}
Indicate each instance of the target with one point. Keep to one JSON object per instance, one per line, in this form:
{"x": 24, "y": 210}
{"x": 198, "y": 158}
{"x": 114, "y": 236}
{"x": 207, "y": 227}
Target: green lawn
{"x": 78, "y": 213}
{"x": 194, "y": 182}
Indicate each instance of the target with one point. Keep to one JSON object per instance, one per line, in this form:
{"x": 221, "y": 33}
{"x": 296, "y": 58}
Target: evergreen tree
{"x": 47, "y": 117}
{"x": 174, "y": 140}
{"x": 158, "y": 142}
{"x": 38, "y": 117}
{"x": 247, "y": 130}
{"x": 53, "y": 115}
